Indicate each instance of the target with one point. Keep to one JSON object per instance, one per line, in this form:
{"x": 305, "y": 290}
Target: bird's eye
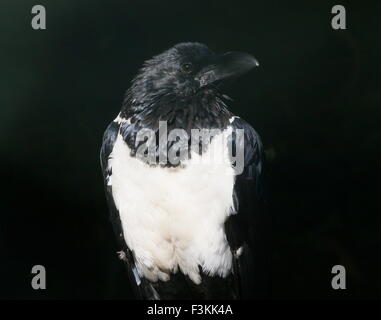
{"x": 187, "y": 67}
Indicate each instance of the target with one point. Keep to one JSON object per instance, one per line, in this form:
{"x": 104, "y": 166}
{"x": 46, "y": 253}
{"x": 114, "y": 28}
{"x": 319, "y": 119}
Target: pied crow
{"x": 183, "y": 178}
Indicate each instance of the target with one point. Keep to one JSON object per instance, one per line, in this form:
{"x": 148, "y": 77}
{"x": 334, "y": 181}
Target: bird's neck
{"x": 206, "y": 110}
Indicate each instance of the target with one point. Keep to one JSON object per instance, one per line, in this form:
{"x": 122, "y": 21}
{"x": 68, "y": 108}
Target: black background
{"x": 315, "y": 100}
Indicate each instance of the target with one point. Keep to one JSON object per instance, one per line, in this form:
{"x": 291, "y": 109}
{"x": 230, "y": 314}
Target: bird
{"x": 185, "y": 210}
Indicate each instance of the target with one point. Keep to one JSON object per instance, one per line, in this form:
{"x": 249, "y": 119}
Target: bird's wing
{"x": 245, "y": 228}
{"x": 141, "y": 287}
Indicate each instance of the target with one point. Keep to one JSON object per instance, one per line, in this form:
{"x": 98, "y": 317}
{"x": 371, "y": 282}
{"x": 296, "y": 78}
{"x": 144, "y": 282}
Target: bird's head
{"x": 185, "y": 70}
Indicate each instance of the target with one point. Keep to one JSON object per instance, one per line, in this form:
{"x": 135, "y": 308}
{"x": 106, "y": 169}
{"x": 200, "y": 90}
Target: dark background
{"x": 315, "y": 100}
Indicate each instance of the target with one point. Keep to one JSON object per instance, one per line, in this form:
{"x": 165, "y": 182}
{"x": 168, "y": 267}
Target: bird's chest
{"x": 173, "y": 218}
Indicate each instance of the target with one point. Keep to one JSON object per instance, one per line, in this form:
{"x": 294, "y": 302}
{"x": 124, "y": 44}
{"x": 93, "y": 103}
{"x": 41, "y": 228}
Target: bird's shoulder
{"x": 109, "y": 137}
{"x": 251, "y": 142}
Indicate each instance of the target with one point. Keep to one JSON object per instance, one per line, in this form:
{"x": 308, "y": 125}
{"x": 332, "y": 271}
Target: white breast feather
{"x": 174, "y": 217}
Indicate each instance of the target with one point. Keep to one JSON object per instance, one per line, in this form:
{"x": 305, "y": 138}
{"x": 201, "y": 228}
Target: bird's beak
{"x": 225, "y": 67}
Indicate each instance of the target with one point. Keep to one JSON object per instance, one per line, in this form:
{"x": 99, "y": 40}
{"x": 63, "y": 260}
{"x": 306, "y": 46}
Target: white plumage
{"x": 173, "y": 218}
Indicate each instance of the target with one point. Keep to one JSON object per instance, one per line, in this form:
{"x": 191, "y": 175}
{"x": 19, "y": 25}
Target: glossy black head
{"x": 185, "y": 70}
